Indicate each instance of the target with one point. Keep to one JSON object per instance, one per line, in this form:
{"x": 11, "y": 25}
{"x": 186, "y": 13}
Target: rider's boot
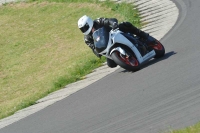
{"x": 128, "y": 27}
{"x": 145, "y": 36}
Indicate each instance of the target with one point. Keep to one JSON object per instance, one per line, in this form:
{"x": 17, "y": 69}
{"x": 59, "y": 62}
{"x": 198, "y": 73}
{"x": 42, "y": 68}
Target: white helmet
{"x": 85, "y": 24}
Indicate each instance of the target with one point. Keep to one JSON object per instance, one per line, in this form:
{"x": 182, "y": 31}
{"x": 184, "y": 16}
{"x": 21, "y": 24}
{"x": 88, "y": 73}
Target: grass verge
{"x": 42, "y": 50}
{"x": 191, "y": 129}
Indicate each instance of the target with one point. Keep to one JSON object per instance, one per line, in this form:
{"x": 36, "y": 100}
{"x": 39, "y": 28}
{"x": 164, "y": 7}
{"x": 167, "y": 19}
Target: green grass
{"x": 191, "y": 129}
{"x": 42, "y": 50}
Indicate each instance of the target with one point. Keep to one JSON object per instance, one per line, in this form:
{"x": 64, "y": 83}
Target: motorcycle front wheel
{"x": 128, "y": 62}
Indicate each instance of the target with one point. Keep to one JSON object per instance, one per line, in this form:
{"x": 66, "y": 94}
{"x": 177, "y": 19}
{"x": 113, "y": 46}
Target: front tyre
{"x": 128, "y": 62}
{"x": 111, "y": 63}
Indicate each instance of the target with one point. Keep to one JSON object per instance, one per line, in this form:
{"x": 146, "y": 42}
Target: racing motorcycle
{"x": 124, "y": 49}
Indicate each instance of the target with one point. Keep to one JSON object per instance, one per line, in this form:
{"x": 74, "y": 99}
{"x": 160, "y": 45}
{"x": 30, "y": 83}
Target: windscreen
{"x": 101, "y": 37}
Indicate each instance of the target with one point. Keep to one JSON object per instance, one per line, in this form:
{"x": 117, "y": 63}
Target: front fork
{"x": 122, "y": 52}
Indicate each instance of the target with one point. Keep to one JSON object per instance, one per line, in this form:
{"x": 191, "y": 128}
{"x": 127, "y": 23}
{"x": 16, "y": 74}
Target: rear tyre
{"x": 128, "y": 62}
{"x": 159, "y": 49}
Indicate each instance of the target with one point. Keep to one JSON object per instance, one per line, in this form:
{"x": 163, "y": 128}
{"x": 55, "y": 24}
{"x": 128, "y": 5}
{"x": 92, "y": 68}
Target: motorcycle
{"x": 124, "y": 49}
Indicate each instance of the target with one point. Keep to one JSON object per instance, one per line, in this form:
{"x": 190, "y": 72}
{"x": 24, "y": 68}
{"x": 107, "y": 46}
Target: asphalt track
{"x": 163, "y": 95}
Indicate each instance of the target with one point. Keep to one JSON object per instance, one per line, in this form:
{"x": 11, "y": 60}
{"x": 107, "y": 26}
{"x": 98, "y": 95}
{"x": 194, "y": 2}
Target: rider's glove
{"x": 91, "y": 45}
{"x": 115, "y": 26}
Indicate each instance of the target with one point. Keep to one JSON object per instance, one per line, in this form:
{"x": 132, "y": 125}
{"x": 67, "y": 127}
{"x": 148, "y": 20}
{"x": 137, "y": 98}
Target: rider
{"x": 88, "y": 26}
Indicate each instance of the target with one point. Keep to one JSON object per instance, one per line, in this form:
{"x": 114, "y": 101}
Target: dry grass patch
{"x": 40, "y": 47}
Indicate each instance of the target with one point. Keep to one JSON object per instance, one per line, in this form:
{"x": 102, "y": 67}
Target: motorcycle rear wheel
{"x": 129, "y": 63}
{"x": 159, "y": 49}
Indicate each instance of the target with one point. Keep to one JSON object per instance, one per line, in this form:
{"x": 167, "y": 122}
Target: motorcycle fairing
{"x": 105, "y": 41}
{"x": 101, "y": 38}
{"x": 117, "y": 38}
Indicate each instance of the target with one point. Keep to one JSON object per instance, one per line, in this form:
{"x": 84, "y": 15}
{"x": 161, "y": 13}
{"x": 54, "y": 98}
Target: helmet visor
{"x": 85, "y": 28}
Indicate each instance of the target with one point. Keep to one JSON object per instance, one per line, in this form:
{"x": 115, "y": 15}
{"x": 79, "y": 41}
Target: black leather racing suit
{"x": 108, "y": 24}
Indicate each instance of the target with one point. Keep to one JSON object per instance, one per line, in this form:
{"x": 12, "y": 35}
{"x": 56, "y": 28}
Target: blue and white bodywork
{"x": 107, "y": 42}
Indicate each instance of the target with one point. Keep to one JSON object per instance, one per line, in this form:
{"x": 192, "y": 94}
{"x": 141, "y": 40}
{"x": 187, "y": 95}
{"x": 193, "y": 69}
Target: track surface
{"x": 163, "y": 95}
